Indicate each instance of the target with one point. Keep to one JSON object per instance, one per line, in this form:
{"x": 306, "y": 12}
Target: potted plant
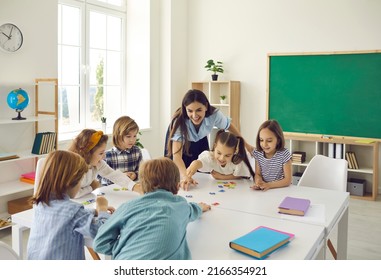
{"x": 138, "y": 143}
{"x": 215, "y": 67}
{"x": 223, "y": 99}
{"x": 103, "y": 120}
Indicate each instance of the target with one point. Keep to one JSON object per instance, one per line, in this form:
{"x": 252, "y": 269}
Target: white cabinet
{"x": 366, "y": 151}
{"x": 17, "y": 137}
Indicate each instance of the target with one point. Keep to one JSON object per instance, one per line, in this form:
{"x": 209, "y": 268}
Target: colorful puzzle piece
{"x": 215, "y": 204}
{"x": 87, "y": 202}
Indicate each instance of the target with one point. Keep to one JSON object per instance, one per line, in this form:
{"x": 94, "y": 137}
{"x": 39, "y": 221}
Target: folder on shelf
{"x": 44, "y": 142}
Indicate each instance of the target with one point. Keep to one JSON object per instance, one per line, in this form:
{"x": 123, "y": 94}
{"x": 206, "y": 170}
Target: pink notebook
{"x": 30, "y": 175}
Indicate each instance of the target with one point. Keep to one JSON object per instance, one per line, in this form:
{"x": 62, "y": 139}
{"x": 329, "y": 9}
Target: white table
{"x": 239, "y": 211}
{"x": 209, "y": 236}
{"x": 334, "y": 204}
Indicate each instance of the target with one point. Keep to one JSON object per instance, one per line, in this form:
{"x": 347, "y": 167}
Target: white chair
{"x": 7, "y": 253}
{"x": 326, "y": 173}
{"x": 145, "y": 153}
{"x": 39, "y": 166}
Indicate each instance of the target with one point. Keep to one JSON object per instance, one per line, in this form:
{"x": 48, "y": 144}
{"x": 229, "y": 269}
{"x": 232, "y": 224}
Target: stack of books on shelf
{"x": 261, "y": 242}
{"x": 294, "y": 206}
{"x": 44, "y": 142}
{"x": 352, "y": 160}
{"x": 28, "y": 177}
{"x": 298, "y": 157}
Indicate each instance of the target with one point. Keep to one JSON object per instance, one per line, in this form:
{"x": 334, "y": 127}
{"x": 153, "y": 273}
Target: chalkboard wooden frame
{"x": 337, "y": 93}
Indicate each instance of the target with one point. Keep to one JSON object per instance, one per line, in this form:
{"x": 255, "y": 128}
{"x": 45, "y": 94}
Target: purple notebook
{"x": 294, "y": 206}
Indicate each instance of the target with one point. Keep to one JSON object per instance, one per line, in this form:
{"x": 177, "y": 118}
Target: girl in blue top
{"x": 152, "y": 226}
{"x": 191, "y": 124}
{"x": 60, "y": 224}
{"x": 272, "y": 159}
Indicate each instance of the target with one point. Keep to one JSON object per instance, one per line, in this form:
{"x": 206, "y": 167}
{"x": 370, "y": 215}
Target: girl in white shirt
{"x": 226, "y": 161}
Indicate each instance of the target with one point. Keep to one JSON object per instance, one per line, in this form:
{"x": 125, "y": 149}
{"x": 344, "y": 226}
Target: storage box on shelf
{"x": 215, "y": 89}
{"x": 19, "y": 139}
{"x": 366, "y": 151}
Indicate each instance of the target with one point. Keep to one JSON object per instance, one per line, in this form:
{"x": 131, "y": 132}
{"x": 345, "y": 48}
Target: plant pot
{"x": 104, "y": 127}
{"x": 214, "y": 77}
{"x": 223, "y": 101}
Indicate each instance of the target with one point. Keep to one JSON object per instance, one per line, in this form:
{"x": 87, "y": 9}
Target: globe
{"x": 18, "y": 99}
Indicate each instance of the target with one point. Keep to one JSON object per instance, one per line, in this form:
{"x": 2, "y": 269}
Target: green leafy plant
{"x": 138, "y": 143}
{"x": 222, "y": 97}
{"x": 215, "y": 67}
{"x": 103, "y": 119}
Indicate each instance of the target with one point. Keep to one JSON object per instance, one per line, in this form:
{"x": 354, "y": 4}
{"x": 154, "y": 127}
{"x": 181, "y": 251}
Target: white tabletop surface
{"x": 239, "y": 210}
{"x": 240, "y": 197}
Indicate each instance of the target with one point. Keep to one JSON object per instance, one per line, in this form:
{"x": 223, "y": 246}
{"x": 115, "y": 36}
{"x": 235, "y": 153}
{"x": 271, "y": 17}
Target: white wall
{"x": 241, "y": 33}
{"x": 37, "y": 58}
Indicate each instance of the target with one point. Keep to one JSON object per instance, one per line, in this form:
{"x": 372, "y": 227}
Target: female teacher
{"x": 188, "y": 132}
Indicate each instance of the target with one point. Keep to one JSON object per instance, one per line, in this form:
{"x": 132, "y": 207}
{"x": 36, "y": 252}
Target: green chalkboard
{"x": 331, "y": 94}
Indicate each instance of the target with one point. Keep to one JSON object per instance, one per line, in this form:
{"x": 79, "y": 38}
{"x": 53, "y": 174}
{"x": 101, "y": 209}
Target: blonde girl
{"x": 60, "y": 224}
{"x": 91, "y": 145}
{"x": 272, "y": 159}
{"x": 226, "y": 161}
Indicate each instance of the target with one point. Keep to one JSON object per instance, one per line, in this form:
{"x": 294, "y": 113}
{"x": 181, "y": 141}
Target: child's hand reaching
{"x": 186, "y": 182}
{"x": 131, "y": 175}
{"x": 95, "y": 184}
{"x": 192, "y": 169}
{"x": 102, "y": 205}
{"x": 205, "y": 207}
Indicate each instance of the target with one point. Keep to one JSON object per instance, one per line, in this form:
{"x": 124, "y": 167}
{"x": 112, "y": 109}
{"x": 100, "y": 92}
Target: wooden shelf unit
{"x": 40, "y": 120}
{"x": 366, "y": 150}
{"x": 232, "y": 91}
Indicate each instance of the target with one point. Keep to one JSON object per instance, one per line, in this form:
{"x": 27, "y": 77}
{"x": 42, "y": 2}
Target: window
{"x": 91, "y": 62}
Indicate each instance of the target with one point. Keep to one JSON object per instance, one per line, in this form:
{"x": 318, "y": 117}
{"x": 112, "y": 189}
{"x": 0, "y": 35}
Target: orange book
{"x": 26, "y": 180}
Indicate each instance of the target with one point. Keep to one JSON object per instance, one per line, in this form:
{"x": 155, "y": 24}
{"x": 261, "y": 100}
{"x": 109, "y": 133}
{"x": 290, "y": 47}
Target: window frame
{"x": 85, "y": 7}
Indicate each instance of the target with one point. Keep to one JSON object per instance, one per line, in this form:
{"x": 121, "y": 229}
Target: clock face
{"x": 10, "y": 37}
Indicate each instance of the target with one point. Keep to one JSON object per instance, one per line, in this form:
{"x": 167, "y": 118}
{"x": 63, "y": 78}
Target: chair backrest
{"x": 145, "y": 153}
{"x": 7, "y": 253}
{"x": 40, "y": 164}
{"x": 325, "y": 173}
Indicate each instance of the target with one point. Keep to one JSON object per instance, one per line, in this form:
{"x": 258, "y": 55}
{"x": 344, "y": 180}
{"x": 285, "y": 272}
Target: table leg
{"x": 17, "y": 239}
{"x": 342, "y": 237}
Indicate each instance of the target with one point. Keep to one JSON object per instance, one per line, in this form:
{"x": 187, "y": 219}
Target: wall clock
{"x": 11, "y": 38}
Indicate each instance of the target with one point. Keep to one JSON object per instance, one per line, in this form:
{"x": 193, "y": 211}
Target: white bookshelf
{"x": 367, "y": 155}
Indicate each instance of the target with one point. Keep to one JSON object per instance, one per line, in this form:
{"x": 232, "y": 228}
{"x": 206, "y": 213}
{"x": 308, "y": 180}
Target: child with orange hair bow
{"x": 91, "y": 145}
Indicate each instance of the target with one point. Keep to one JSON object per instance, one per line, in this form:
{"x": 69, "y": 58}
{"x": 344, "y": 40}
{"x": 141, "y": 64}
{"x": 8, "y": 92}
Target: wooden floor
{"x": 364, "y": 230}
